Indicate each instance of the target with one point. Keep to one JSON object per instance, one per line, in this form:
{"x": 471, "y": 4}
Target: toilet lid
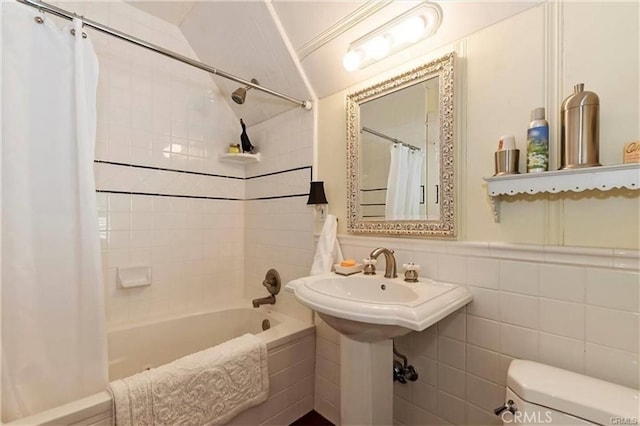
{"x": 575, "y": 394}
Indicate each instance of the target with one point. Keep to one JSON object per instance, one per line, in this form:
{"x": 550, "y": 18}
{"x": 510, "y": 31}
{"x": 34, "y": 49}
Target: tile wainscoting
{"x": 166, "y": 201}
{"x": 570, "y": 307}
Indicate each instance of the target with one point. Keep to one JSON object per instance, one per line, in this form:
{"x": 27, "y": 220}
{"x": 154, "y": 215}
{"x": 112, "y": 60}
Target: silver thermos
{"x": 580, "y": 129}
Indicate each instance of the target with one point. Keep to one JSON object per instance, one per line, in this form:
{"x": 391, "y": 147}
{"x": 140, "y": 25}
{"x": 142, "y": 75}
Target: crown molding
{"x": 343, "y": 25}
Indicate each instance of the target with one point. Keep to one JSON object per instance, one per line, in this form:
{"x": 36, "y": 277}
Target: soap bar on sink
{"x": 348, "y": 270}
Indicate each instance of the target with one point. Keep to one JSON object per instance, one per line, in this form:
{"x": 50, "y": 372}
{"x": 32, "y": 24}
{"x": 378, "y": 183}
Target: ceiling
{"x": 256, "y": 39}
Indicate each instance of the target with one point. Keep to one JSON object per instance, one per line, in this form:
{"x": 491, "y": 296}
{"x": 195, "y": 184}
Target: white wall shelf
{"x": 602, "y": 178}
{"x": 240, "y": 158}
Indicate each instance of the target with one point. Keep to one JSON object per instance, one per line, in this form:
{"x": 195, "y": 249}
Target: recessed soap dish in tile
{"x": 134, "y": 276}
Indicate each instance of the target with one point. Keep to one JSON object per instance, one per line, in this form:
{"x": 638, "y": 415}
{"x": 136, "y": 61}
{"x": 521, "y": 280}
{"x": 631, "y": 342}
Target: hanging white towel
{"x": 209, "y": 387}
{"x": 328, "y": 250}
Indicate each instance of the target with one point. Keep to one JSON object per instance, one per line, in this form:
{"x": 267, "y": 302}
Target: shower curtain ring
{"x": 39, "y": 19}
{"x": 81, "y": 19}
{"x": 73, "y": 33}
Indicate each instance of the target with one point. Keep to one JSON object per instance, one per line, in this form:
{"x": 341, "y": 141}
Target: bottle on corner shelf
{"x": 538, "y": 143}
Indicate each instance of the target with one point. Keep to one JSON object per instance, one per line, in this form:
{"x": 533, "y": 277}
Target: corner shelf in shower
{"x": 603, "y": 178}
{"x": 242, "y": 158}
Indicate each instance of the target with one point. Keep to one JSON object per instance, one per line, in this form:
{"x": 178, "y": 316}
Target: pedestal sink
{"x": 369, "y": 311}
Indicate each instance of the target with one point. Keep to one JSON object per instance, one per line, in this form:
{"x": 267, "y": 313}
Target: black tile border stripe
{"x": 373, "y": 189}
{"x": 276, "y": 197}
{"x": 164, "y": 169}
{"x": 151, "y": 194}
{"x": 279, "y": 172}
{"x": 200, "y": 197}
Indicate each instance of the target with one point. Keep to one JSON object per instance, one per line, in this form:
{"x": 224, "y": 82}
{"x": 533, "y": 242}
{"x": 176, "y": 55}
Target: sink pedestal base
{"x": 366, "y": 382}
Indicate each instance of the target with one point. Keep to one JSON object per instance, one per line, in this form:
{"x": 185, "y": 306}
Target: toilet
{"x": 540, "y": 394}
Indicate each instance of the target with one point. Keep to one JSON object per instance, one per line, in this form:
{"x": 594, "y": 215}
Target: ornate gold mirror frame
{"x": 443, "y": 69}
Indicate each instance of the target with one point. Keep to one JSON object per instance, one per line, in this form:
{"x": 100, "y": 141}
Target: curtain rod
{"x": 54, "y": 10}
{"x": 389, "y": 138}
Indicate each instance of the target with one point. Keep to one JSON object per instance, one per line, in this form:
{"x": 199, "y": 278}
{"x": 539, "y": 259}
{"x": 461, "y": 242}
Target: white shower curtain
{"x": 403, "y": 183}
{"x": 416, "y": 168}
{"x": 394, "y": 204}
{"x": 53, "y": 320}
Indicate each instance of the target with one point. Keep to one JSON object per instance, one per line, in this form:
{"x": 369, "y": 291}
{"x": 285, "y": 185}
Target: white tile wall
{"x": 562, "y": 352}
{"x": 451, "y": 352}
{"x": 518, "y": 277}
{"x": 483, "y": 363}
{"x": 519, "y": 310}
{"x": 557, "y": 309}
{"x": 155, "y": 112}
{"x": 614, "y": 328}
{"x": 562, "y": 318}
{"x": 611, "y": 364}
{"x": 279, "y": 232}
{"x": 482, "y": 332}
{"x": 562, "y": 282}
{"x": 613, "y": 289}
{"x": 285, "y": 142}
{"x": 485, "y": 272}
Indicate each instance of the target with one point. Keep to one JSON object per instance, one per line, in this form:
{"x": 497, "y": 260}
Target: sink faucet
{"x": 389, "y": 261}
{"x": 269, "y": 300}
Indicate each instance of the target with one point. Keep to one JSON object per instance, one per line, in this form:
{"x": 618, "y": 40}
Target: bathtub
{"x": 291, "y": 354}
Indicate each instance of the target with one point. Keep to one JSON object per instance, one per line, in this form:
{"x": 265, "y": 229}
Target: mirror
{"x": 400, "y": 158}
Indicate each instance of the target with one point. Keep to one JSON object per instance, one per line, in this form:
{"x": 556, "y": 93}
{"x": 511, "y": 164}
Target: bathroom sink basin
{"x": 372, "y": 308}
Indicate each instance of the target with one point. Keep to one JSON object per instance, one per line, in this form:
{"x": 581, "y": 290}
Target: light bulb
{"x": 352, "y": 60}
{"x": 378, "y": 47}
{"x": 412, "y": 29}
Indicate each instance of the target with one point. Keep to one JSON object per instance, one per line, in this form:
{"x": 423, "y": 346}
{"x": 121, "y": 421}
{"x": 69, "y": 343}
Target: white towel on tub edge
{"x": 209, "y": 387}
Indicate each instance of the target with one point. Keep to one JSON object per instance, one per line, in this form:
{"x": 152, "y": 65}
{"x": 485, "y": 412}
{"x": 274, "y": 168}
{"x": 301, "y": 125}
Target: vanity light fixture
{"x": 414, "y": 25}
{"x": 318, "y": 198}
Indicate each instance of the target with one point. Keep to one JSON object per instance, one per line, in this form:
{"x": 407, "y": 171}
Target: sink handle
{"x": 272, "y": 281}
{"x": 411, "y": 272}
{"x": 369, "y": 266}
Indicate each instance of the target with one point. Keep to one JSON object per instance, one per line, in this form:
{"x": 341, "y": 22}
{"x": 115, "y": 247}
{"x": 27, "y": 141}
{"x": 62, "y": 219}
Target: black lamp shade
{"x": 316, "y": 193}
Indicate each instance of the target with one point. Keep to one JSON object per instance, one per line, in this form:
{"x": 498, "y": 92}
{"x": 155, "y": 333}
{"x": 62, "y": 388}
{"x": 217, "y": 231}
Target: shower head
{"x": 240, "y": 93}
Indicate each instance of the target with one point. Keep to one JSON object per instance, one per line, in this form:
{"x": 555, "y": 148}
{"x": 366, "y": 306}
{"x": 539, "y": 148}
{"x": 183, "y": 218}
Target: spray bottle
{"x": 538, "y": 143}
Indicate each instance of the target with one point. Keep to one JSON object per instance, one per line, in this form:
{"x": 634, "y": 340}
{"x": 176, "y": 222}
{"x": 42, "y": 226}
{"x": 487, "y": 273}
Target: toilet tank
{"x": 547, "y": 395}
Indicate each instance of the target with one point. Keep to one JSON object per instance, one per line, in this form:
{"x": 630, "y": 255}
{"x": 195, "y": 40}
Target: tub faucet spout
{"x": 269, "y": 300}
{"x": 389, "y": 261}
